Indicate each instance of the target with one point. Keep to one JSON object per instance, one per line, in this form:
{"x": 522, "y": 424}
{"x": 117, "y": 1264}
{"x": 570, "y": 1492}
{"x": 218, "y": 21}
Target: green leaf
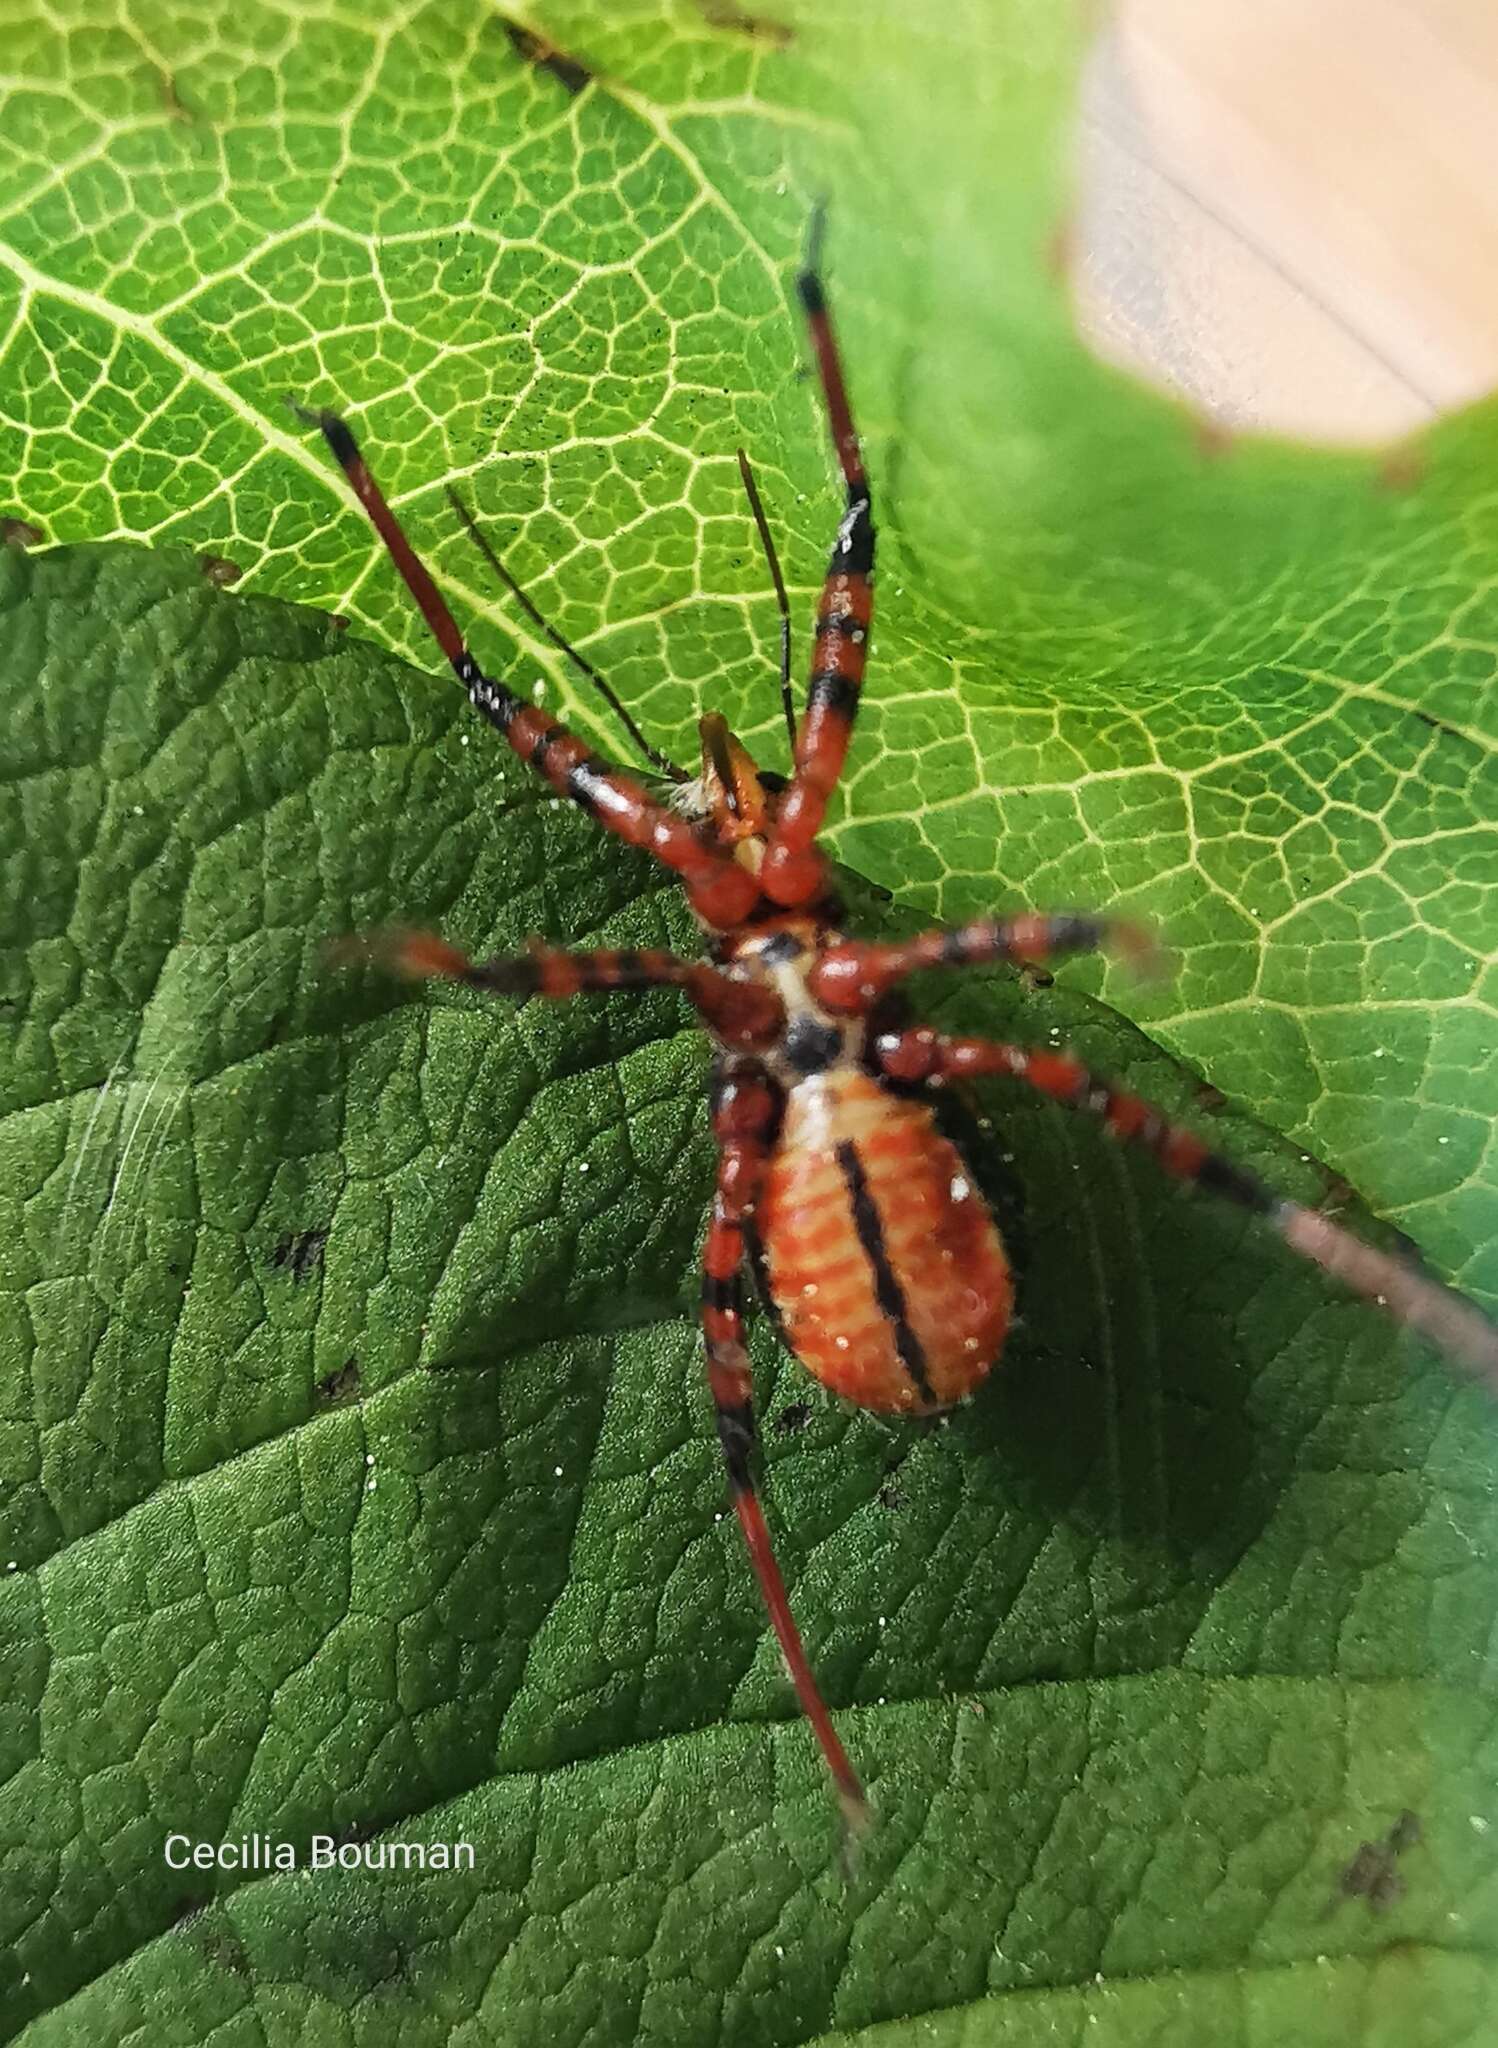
{"x": 361, "y": 1482}
{"x": 1250, "y": 696}
{"x": 1199, "y": 1596}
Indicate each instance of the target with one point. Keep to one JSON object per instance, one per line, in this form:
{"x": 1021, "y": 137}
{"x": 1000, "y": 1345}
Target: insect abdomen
{"x": 880, "y": 1255}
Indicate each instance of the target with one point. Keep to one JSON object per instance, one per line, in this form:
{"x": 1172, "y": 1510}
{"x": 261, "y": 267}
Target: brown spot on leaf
{"x": 1401, "y": 469}
{"x": 1213, "y": 437}
{"x": 1371, "y": 1872}
{"x": 534, "y": 49}
{"x": 301, "y": 1250}
{"x": 172, "y": 100}
{"x": 1405, "y": 1832}
{"x": 213, "y": 1935}
{"x": 1061, "y": 250}
{"x": 218, "y": 570}
{"x": 760, "y": 27}
{"x": 20, "y": 533}
{"x": 1437, "y": 724}
{"x": 339, "y": 1386}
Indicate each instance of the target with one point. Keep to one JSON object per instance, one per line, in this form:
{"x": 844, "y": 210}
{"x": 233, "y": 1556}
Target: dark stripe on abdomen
{"x": 888, "y": 1292}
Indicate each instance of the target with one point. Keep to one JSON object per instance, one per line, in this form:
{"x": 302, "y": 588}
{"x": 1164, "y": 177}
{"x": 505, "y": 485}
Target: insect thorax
{"x": 813, "y": 1041}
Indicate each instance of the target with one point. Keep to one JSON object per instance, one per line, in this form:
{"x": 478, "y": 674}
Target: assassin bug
{"x": 886, "y": 1271}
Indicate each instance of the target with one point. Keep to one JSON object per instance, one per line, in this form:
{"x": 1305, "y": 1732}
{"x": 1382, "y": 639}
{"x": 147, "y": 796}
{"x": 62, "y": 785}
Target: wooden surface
{"x": 1289, "y": 211}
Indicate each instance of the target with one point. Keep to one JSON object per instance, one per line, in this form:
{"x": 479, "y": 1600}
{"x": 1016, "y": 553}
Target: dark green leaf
{"x": 413, "y": 1530}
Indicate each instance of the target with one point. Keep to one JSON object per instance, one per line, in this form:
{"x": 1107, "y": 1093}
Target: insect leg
{"x": 719, "y": 889}
{"x": 1452, "y": 1323}
{"x": 659, "y": 761}
{"x": 740, "y": 1013}
{"x": 783, "y": 603}
{"x": 850, "y": 977}
{"x": 793, "y": 873}
{"x": 745, "y": 1109}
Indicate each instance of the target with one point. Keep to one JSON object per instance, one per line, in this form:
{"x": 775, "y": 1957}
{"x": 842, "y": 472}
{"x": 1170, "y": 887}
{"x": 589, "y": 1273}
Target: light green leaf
{"x": 1250, "y": 696}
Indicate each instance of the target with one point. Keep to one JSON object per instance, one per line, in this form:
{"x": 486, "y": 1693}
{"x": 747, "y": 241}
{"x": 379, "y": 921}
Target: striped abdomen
{"x": 880, "y": 1254}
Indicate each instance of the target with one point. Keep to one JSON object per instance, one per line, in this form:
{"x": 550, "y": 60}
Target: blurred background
{"x": 1289, "y": 213}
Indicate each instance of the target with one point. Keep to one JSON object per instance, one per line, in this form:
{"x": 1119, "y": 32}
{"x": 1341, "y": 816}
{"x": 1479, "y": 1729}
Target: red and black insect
{"x": 888, "y": 1275}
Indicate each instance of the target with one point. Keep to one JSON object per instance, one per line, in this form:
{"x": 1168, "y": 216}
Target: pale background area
{"x": 1289, "y": 208}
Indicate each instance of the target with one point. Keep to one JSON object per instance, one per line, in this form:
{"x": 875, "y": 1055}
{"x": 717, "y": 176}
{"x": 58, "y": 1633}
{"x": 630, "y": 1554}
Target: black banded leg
{"x": 793, "y": 873}
{"x": 741, "y": 1013}
{"x": 852, "y": 976}
{"x": 1455, "y": 1325}
{"x": 722, "y": 892}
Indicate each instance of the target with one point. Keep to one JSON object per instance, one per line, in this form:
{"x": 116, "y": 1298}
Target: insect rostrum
{"x": 887, "y": 1273}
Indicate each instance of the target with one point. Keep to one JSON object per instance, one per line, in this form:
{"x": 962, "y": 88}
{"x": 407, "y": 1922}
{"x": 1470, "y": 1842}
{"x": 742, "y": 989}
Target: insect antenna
{"x": 662, "y": 762}
{"x": 767, "y": 542}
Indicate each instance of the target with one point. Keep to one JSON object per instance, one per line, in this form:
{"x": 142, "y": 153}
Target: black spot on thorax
{"x": 810, "y": 1046}
{"x": 779, "y": 950}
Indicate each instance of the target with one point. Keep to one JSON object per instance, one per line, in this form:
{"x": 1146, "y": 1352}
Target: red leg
{"x": 746, "y": 1107}
{"x": 849, "y": 978}
{"x": 793, "y": 872}
{"x": 740, "y": 1013}
{"x": 1410, "y": 1296}
{"x": 722, "y": 892}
